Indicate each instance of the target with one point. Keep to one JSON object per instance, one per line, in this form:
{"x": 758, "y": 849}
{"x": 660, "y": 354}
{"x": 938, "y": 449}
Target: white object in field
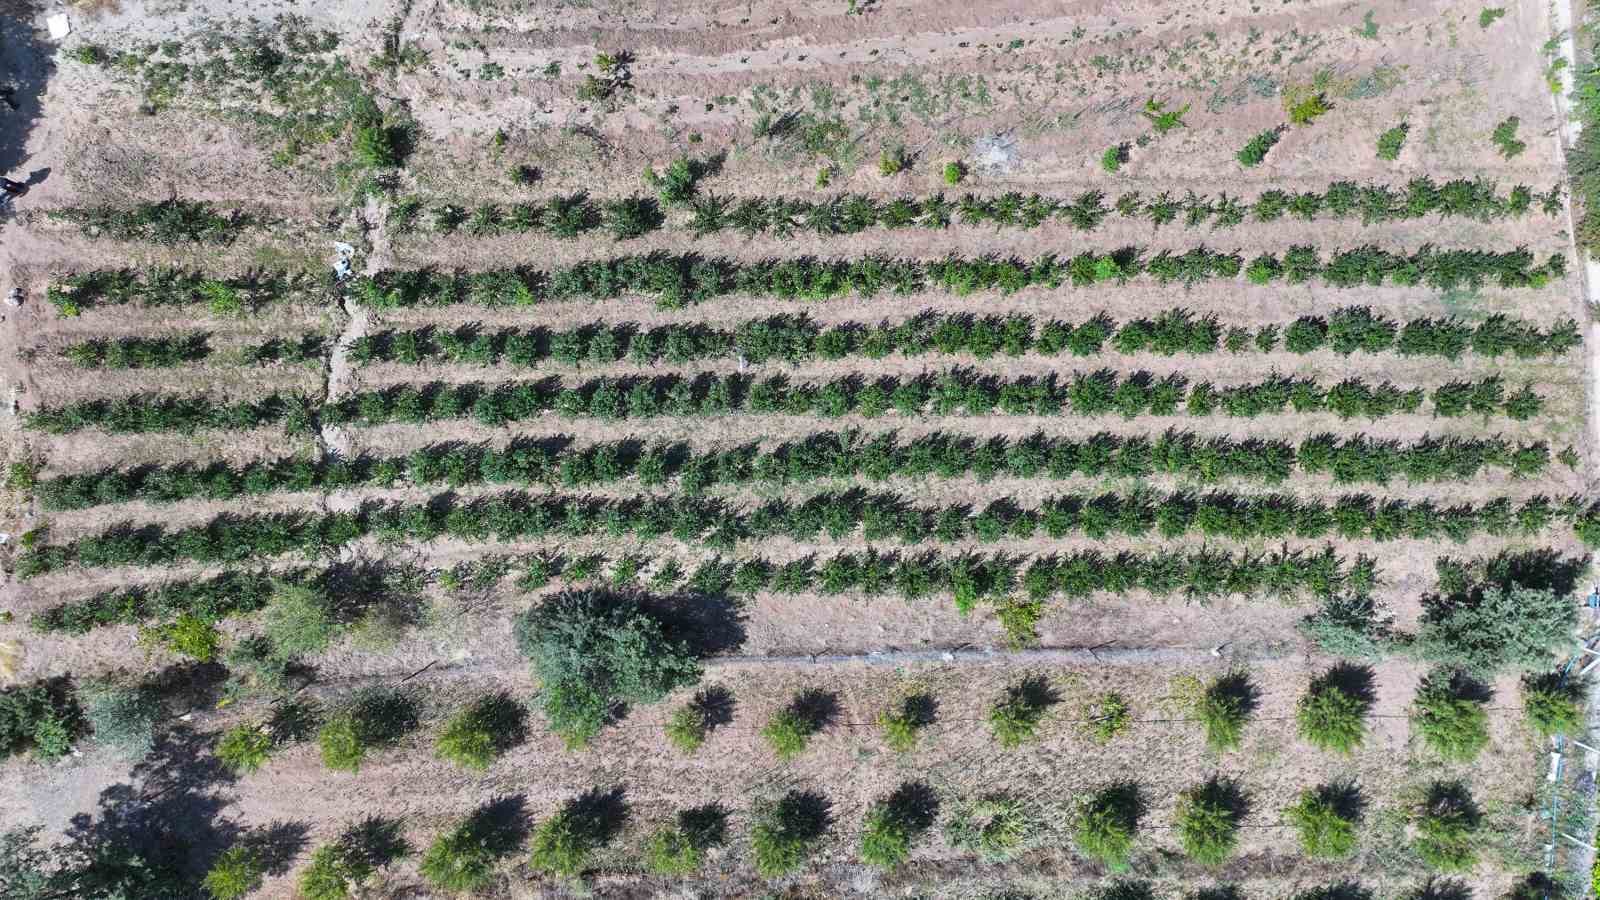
{"x": 1555, "y": 767}
{"x": 59, "y": 26}
{"x": 1585, "y": 746}
{"x": 14, "y": 297}
{"x": 341, "y": 266}
{"x": 1586, "y": 669}
{"x": 5, "y": 538}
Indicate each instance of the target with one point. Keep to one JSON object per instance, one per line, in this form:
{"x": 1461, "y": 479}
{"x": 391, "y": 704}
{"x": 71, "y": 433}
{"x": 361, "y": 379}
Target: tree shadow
{"x": 915, "y": 805}
{"x": 705, "y": 826}
{"x": 499, "y": 825}
{"x": 816, "y": 707}
{"x": 1458, "y": 685}
{"x": 1237, "y": 688}
{"x": 1346, "y": 798}
{"x": 1358, "y": 681}
{"x": 708, "y": 624}
{"x": 1441, "y": 889}
{"x": 921, "y": 709}
{"x": 714, "y": 704}
{"x": 374, "y": 841}
{"x": 26, "y": 65}
{"x": 601, "y": 814}
{"x": 278, "y": 844}
{"x": 803, "y": 814}
{"x": 1452, "y": 799}
{"x": 1218, "y": 892}
{"x": 1221, "y": 792}
{"x": 1126, "y": 799}
{"x": 1343, "y": 890}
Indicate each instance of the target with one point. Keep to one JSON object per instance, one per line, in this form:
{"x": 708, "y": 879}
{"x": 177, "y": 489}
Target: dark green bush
{"x": 680, "y": 849}
{"x": 1208, "y": 819}
{"x": 1108, "y": 823}
{"x": 1451, "y": 713}
{"x": 43, "y": 717}
{"x": 786, "y": 832}
{"x": 486, "y": 728}
{"x": 1447, "y": 828}
{"x": 373, "y": 719}
{"x": 340, "y": 867}
{"x": 902, "y": 725}
{"x": 1015, "y": 717}
{"x": 791, "y": 728}
{"x": 1552, "y": 704}
{"x": 895, "y": 822}
{"x": 1491, "y": 627}
{"x": 1325, "y": 820}
{"x": 563, "y": 843}
{"x": 1331, "y": 715}
{"x": 593, "y": 652}
{"x": 1224, "y": 708}
{"x": 123, "y": 717}
{"x": 463, "y": 858}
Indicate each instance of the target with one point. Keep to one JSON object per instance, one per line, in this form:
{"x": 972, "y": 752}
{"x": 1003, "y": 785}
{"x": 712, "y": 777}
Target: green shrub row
{"x": 798, "y": 338}
{"x": 153, "y": 413}
{"x": 212, "y": 599}
{"x": 568, "y": 216}
{"x": 157, "y": 287}
{"x": 678, "y": 280}
{"x": 953, "y": 392}
{"x": 172, "y": 221}
{"x": 846, "y": 454}
{"x": 177, "y": 350}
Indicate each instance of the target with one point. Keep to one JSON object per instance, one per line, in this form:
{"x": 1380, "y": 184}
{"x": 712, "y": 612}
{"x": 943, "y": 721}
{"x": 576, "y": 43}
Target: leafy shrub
{"x": 374, "y": 146}
{"x": 1224, "y": 708}
{"x": 1505, "y": 137}
{"x": 1255, "y": 150}
{"x": 187, "y": 635}
{"x": 297, "y": 621}
{"x": 1325, "y": 820}
{"x": 1332, "y": 713}
{"x": 1450, "y": 712}
{"x": 901, "y": 727}
{"x": 1108, "y": 823}
{"x": 122, "y": 717}
{"x": 1108, "y": 716}
{"x": 680, "y": 849}
{"x": 1487, "y": 628}
{"x": 43, "y": 717}
{"x": 1162, "y": 119}
{"x": 1489, "y": 15}
{"x": 954, "y": 173}
{"x": 1552, "y": 705}
{"x": 488, "y": 727}
{"x": 339, "y": 867}
{"x": 563, "y": 843}
{"x": 1392, "y": 141}
{"x": 786, "y": 832}
{"x": 895, "y": 822}
{"x": 790, "y": 729}
{"x": 1208, "y": 820}
{"x": 236, "y": 873}
{"x": 376, "y": 717}
{"x": 1308, "y": 109}
{"x": 1114, "y": 157}
{"x": 1447, "y": 828}
{"x": 593, "y": 652}
{"x": 996, "y": 827}
{"x": 688, "y": 725}
{"x": 892, "y": 161}
{"x": 245, "y": 747}
{"x": 463, "y": 859}
{"x": 1015, "y": 717}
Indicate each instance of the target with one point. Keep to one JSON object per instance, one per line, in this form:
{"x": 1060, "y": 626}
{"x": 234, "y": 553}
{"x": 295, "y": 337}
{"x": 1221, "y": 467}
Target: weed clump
{"x": 1332, "y": 713}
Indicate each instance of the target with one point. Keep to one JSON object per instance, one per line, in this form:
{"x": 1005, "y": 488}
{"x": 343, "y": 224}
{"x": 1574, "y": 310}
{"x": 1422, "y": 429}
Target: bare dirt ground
{"x": 1029, "y": 95}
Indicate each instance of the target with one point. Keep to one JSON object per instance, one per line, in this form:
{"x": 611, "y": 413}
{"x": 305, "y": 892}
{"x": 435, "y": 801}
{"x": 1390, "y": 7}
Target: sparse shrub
{"x": 680, "y": 849}
{"x": 1108, "y": 823}
{"x": 245, "y": 747}
{"x": 488, "y": 727}
{"x": 996, "y": 827}
{"x": 1015, "y": 717}
{"x": 236, "y": 873}
{"x": 1308, "y": 109}
{"x": 790, "y": 729}
{"x": 1349, "y": 626}
{"x": 122, "y": 717}
{"x": 1486, "y": 629}
{"x": 463, "y": 859}
{"x": 954, "y": 172}
{"x": 297, "y": 621}
{"x": 1108, "y": 716}
{"x": 1391, "y": 142}
{"x": 895, "y": 822}
{"x": 1447, "y": 828}
{"x": 594, "y": 651}
{"x": 1325, "y": 820}
{"x": 1551, "y": 705}
{"x": 786, "y": 832}
{"x": 901, "y": 727}
{"x": 1208, "y": 820}
{"x": 892, "y": 161}
{"x": 1489, "y": 15}
{"x": 188, "y": 635}
{"x": 375, "y": 718}
{"x": 1224, "y": 708}
{"x": 1451, "y": 715}
{"x": 1162, "y": 119}
{"x": 563, "y": 843}
{"x": 1332, "y": 713}
{"x": 374, "y": 146}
